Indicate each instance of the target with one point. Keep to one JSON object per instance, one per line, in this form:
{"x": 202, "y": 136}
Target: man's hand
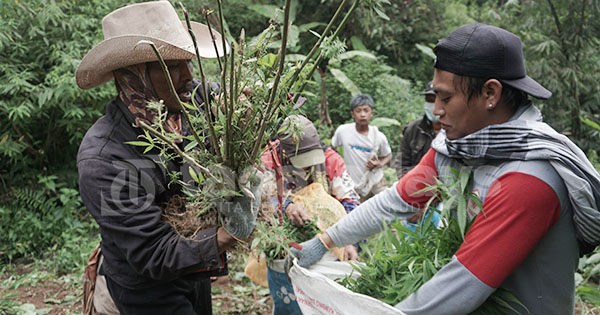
{"x": 311, "y": 252}
{"x": 224, "y": 240}
{"x": 416, "y": 217}
{"x": 296, "y": 214}
{"x": 239, "y": 214}
{"x": 351, "y": 253}
{"x": 373, "y": 163}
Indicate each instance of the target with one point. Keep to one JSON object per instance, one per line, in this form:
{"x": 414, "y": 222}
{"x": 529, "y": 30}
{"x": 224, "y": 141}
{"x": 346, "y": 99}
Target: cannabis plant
{"x": 400, "y": 260}
{"x": 258, "y": 90}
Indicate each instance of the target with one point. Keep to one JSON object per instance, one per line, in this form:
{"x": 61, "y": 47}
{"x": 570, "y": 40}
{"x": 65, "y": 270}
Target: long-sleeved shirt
{"x": 416, "y": 141}
{"x": 341, "y": 185}
{"x": 122, "y": 188}
{"x": 523, "y": 241}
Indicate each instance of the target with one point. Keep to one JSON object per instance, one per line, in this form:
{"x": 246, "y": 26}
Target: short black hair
{"x": 473, "y": 86}
{"x": 361, "y": 99}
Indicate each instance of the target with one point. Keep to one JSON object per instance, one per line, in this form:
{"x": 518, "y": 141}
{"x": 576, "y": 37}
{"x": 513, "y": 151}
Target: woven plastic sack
{"x": 317, "y": 292}
{"x": 256, "y": 269}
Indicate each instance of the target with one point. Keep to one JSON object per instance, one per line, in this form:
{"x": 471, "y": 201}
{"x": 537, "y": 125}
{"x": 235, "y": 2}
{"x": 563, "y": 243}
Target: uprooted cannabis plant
{"x": 258, "y": 89}
{"x": 399, "y": 260}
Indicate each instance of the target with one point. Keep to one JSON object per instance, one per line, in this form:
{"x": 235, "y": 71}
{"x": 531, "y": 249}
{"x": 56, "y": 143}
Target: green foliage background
{"x": 44, "y": 115}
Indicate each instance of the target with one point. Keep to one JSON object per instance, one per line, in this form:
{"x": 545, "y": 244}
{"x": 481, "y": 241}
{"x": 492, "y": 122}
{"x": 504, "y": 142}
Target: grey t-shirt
{"x": 359, "y": 148}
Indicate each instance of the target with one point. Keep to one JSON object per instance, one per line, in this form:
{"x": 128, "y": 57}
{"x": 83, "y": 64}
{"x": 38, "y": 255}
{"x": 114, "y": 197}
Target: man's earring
{"x": 490, "y": 106}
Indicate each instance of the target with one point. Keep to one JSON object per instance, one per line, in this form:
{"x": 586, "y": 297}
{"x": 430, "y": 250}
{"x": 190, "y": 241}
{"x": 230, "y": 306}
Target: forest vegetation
{"x": 386, "y": 51}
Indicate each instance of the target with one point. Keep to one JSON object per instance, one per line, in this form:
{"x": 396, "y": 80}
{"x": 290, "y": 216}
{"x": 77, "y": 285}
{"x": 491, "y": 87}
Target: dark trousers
{"x": 181, "y": 296}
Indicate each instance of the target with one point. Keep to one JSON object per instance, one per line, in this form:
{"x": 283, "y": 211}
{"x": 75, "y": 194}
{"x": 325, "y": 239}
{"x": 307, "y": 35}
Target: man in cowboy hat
{"x": 539, "y": 192}
{"x": 149, "y": 268}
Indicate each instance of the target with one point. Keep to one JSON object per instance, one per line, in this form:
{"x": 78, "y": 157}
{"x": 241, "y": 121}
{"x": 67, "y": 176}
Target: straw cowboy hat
{"x": 124, "y": 28}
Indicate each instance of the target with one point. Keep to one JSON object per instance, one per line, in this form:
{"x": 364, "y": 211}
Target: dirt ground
{"x": 52, "y": 296}
{"x": 231, "y": 295}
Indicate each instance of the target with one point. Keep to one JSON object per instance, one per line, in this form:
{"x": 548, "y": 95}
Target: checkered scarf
{"x": 526, "y": 137}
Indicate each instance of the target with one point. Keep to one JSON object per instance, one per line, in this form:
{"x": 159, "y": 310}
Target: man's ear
{"x": 492, "y": 90}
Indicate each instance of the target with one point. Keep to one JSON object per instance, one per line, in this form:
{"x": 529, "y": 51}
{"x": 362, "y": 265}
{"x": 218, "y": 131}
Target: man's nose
{"x": 187, "y": 71}
{"x": 437, "y": 108}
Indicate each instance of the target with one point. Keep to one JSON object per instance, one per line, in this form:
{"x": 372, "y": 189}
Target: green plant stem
{"x": 240, "y": 46}
{"x": 270, "y": 110}
{"x": 223, "y": 69}
{"x": 310, "y": 73}
{"x": 318, "y": 43}
{"x": 229, "y": 114}
{"x": 221, "y": 21}
{"x": 175, "y": 147}
{"x": 205, "y": 98}
{"x": 165, "y": 70}
{"x": 212, "y": 36}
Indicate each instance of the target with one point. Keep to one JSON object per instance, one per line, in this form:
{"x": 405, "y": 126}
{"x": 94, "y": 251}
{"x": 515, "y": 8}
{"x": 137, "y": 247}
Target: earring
{"x": 490, "y": 106}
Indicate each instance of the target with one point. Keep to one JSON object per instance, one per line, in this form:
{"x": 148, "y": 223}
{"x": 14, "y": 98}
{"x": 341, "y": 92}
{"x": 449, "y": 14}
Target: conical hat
{"x": 124, "y": 28}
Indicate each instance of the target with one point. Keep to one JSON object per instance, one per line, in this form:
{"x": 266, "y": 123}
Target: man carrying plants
{"x": 304, "y": 160}
{"x": 149, "y": 268}
{"x": 539, "y": 192}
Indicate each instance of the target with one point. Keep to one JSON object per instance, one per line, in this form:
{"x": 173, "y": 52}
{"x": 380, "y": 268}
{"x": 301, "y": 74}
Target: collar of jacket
{"x": 425, "y": 126}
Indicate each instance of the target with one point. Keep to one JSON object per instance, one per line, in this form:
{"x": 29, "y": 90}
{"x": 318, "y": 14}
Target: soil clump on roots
{"x": 187, "y": 218}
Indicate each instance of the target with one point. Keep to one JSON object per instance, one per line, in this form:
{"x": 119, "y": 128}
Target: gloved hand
{"x": 311, "y": 252}
{"x": 240, "y": 212}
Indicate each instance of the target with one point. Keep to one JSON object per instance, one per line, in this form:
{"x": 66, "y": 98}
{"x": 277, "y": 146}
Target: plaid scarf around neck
{"x": 526, "y": 137}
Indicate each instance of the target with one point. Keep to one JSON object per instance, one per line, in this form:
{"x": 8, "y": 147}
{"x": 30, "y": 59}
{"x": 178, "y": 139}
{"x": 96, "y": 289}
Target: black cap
{"x": 429, "y": 89}
{"x": 485, "y": 51}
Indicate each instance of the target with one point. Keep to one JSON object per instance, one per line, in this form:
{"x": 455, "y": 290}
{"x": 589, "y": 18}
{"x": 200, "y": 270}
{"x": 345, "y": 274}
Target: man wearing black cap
{"x": 539, "y": 192}
{"x": 417, "y": 136}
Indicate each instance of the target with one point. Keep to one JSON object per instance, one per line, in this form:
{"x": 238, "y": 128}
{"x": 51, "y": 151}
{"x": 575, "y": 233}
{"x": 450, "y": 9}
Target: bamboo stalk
{"x": 206, "y": 96}
{"x": 273, "y": 91}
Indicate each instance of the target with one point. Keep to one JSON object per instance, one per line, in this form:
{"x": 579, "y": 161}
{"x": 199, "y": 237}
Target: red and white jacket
{"x": 524, "y": 243}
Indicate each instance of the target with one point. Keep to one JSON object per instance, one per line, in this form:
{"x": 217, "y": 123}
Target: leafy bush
{"x": 47, "y": 219}
{"x": 44, "y": 114}
{"x": 394, "y": 97}
{"x": 587, "y": 278}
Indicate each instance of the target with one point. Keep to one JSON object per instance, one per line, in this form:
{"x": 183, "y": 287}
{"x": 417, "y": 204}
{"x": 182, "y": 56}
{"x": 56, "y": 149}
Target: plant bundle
{"x": 400, "y": 260}
{"x": 258, "y": 89}
{"x": 274, "y": 239}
